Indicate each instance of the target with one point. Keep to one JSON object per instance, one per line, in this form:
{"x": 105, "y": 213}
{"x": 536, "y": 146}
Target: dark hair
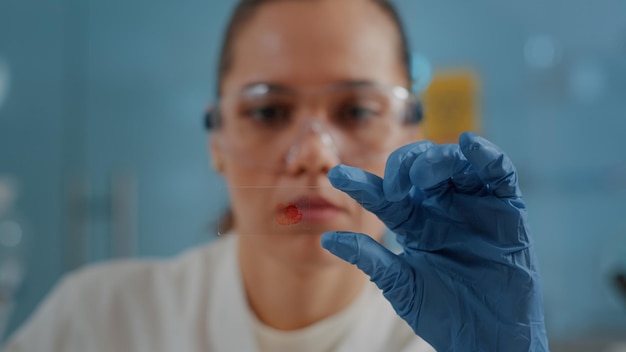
{"x": 242, "y": 13}
{"x": 247, "y": 8}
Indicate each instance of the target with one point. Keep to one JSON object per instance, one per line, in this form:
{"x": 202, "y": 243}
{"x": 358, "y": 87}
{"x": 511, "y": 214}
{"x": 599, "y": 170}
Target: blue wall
{"x": 102, "y": 87}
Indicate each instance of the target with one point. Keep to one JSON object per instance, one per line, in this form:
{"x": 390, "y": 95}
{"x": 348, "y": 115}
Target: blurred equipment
{"x": 12, "y": 252}
{"x": 103, "y": 225}
{"x": 4, "y": 80}
{"x": 587, "y": 81}
{"x": 620, "y": 284}
{"x": 542, "y": 52}
{"x": 451, "y": 106}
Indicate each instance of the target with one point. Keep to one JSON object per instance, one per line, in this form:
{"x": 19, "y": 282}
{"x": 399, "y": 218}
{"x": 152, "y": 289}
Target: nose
{"x": 314, "y": 150}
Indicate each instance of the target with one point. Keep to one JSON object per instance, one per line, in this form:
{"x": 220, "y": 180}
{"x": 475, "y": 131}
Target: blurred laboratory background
{"x": 103, "y": 155}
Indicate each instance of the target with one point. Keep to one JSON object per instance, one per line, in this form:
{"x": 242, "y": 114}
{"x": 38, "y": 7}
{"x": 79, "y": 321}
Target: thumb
{"x": 388, "y": 271}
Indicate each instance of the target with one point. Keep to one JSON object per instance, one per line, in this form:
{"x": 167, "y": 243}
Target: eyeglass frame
{"x": 414, "y": 112}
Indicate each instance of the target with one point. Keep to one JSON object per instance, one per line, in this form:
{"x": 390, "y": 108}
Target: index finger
{"x": 397, "y": 182}
{"x": 367, "y": 189}
{"x": 492, "y": 165}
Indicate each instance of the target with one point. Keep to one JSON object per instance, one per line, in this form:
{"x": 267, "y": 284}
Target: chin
{"x": 303, "y": 249}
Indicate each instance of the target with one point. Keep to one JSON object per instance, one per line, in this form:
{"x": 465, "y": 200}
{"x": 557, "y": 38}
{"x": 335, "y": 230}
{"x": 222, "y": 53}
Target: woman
{"x": 305, "y": 86}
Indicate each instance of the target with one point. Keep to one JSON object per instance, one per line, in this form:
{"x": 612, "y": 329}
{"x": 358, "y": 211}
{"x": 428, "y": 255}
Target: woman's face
{"x": 302, "y": 45}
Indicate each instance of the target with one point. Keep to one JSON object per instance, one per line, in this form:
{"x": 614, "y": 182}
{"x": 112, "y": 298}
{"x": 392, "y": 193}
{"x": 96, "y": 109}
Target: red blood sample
{"x": 288, "y": 214}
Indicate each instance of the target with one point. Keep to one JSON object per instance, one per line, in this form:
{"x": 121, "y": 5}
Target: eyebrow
{"x": 281, "y": 88}
{"x": 270, "y": 87}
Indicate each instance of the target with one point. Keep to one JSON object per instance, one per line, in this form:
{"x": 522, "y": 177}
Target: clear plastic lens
{"x": 275, "y": 210}
{"x": 265, "y": 126}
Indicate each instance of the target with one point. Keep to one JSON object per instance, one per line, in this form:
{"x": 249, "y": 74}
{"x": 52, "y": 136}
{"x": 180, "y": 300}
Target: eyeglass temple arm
{"x": 211, "y": 119}
{"x": 415, "y": 113}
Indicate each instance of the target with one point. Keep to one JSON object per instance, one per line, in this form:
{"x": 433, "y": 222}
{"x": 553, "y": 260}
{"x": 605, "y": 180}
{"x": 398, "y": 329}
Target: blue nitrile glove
{"x": 468, "y": 278}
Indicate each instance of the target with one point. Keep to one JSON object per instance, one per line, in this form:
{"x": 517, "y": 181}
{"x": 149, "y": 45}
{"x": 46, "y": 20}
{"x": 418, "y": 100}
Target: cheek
{"x": 366, "y": 222}
{"x": 254, "y": 210}
{"x": 238, "y": 175}
{"x": 378, "y": 167}
{"x": 372, "y": 226}
{"x": 252, "y": 196}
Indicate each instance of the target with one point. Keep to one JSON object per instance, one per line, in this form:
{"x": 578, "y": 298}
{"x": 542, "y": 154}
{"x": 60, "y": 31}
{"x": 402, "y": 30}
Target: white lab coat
{"x": 194, "y": 302}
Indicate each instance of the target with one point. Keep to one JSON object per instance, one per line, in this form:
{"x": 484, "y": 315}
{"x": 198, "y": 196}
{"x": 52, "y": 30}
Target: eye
{"x": 269, "y": 115}
{"x": 355, "y": 115}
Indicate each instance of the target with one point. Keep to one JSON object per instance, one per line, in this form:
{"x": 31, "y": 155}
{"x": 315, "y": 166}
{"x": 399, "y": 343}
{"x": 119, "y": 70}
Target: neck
{"x": 292, "y": 296}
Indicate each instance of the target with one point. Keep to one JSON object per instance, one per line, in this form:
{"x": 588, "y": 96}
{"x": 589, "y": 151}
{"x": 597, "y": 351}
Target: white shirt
{"x": 194, "y": 302}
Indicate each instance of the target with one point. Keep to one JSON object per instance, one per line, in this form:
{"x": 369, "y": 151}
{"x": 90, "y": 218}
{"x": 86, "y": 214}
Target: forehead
{"x": 315, "y": 42}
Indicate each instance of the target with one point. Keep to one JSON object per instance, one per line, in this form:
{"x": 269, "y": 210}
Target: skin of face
{"x": 304, "y": 44}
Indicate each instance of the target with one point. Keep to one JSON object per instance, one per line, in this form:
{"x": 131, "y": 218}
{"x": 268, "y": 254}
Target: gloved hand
{"x": 468, "y": 278}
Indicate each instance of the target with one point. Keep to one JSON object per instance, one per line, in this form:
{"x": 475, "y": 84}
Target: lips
{"x": 288, "y": 214}
{"x": 314, "y": 203}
